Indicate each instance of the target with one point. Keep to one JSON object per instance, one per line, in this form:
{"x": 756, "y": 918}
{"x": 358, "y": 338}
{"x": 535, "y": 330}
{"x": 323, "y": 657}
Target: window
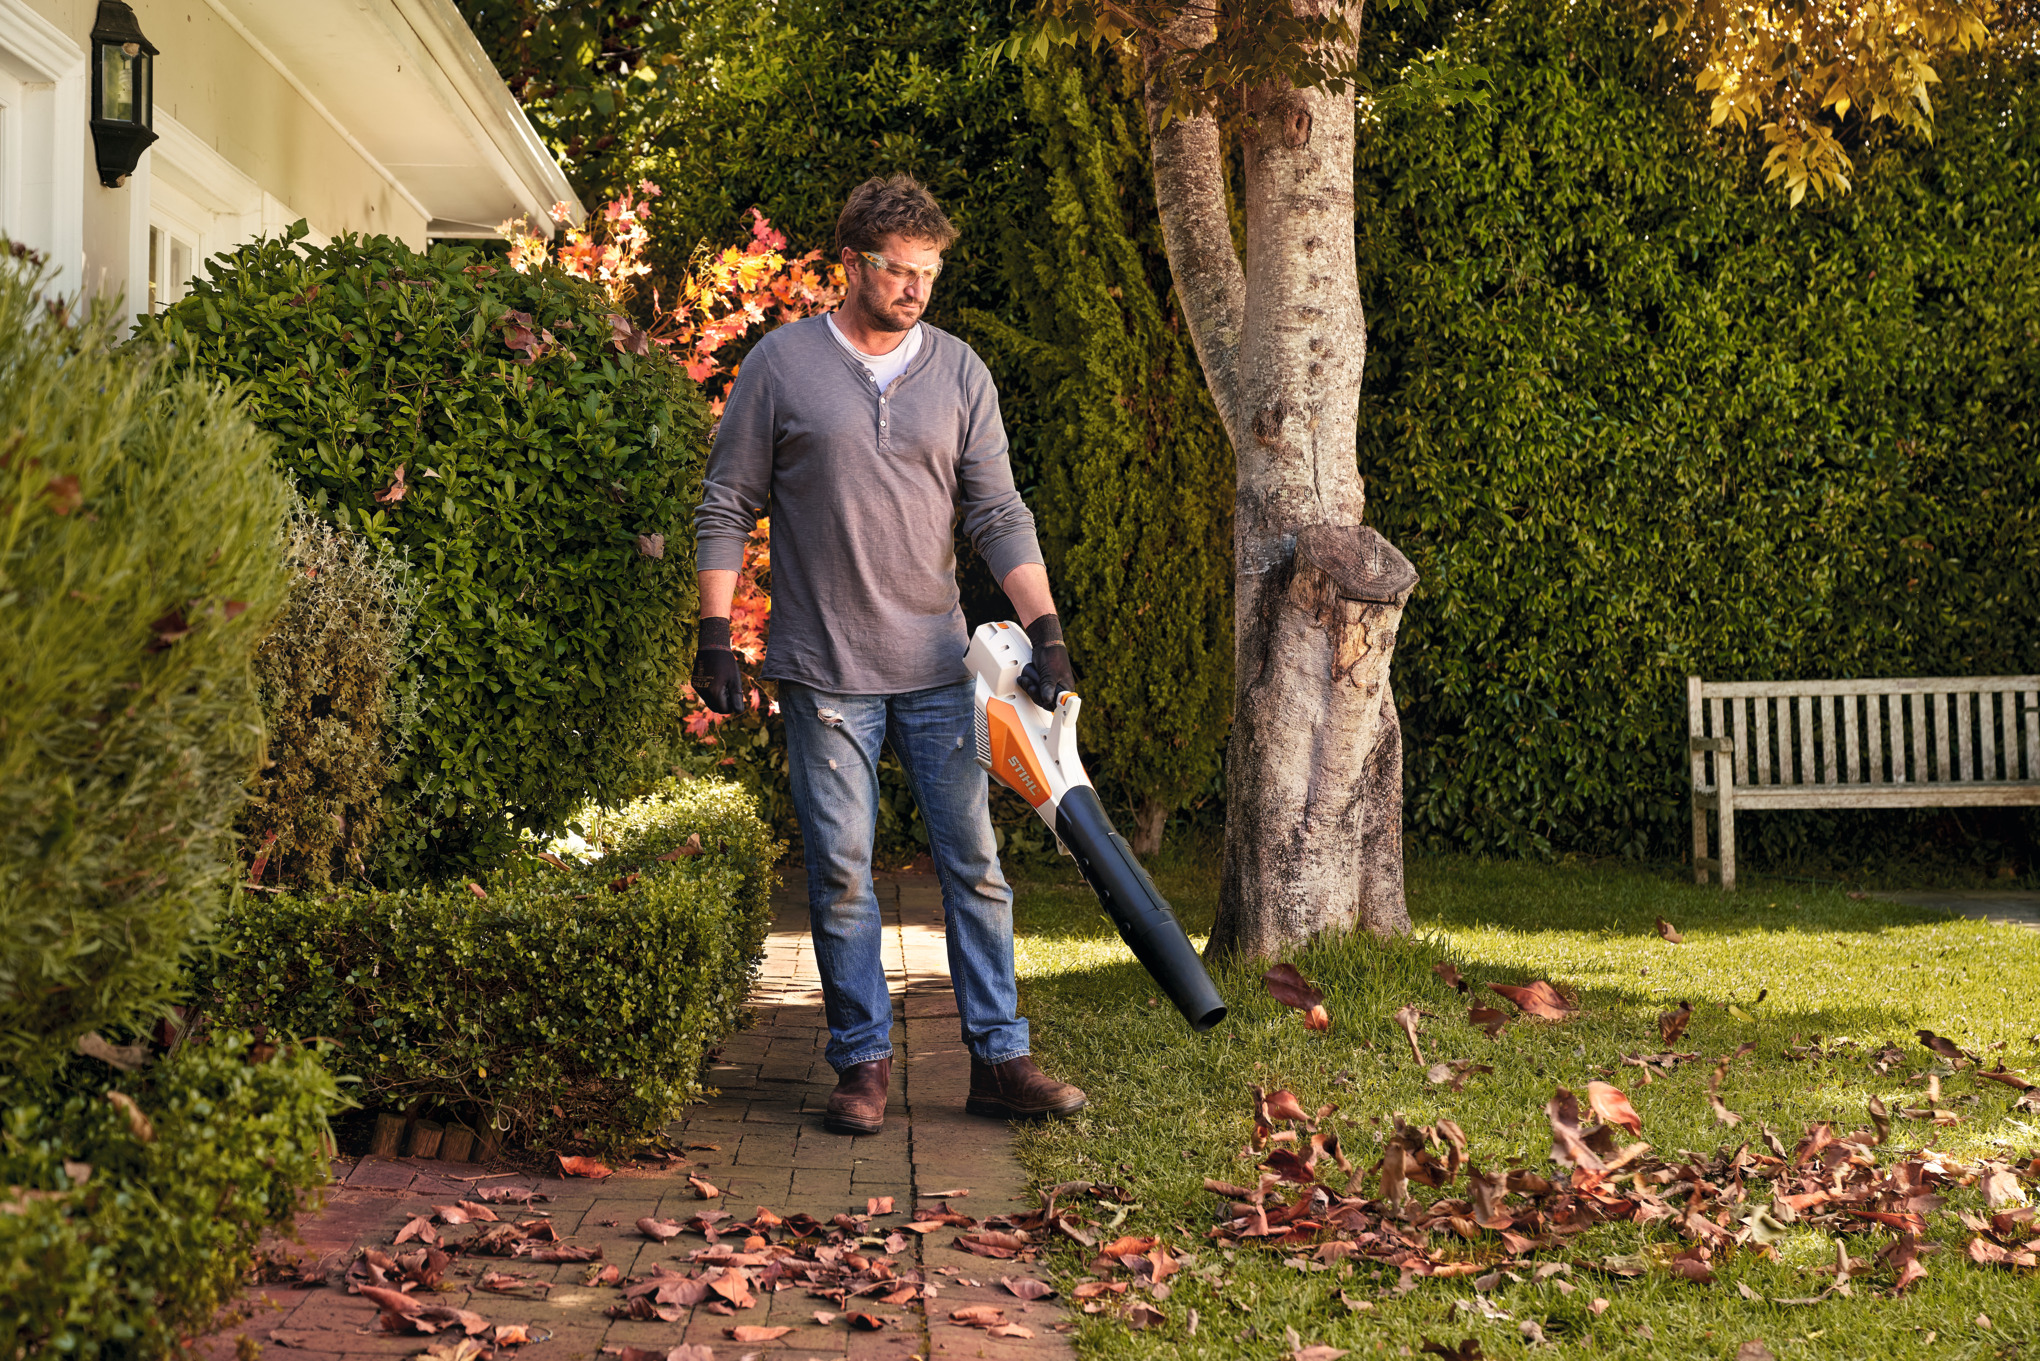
{"x": 171, "y": 259}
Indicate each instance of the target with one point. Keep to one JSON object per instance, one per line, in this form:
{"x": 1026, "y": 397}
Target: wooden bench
{"x": 1910, "y": 743}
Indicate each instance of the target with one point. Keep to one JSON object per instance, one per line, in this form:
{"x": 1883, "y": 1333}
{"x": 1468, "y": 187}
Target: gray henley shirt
{"x": 864, "y": 491}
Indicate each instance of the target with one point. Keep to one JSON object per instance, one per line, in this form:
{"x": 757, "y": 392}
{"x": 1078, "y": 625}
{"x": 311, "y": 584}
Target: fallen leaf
{"x": 978, "y": 1315}
{"x": 568, "y": 1254}
{"x": 1449, "y": 976}
{"x": 1009, "y": 1330}
{"x": 1672, "y": 1024}
{"x": 1943, "y": 1046}
{"x": 1998, "y": 1074}
{"x": 1292, "y": 989}
{"x": 651, "y": 545}
{"x": 703, "y": 1190}
{"x": 137, "y": 1122}
{"x": 1468, "y": 1350}
{"x": 691, "y": 846}
{"x": 64, "y": 494}
{"x": 1563, "y": 1111}
{"x": 1455, "y": 1072}
{"x": 1317, "y": 1018}
{"x": 503, "y": 1283}
{"x": 878, "y": 1205}
{"x": 746, "y": 1332}
{"x": 167, "y": 630}
{"x": 1407, "y": 1019}
{"x": 869, "y": 1323}
{"x": 583, "y": 1167}
{"x": 1139, "y": 1315}
{"x": 1537, "y": 999}
{"x": 1754, "y": 1350}
{"x": 658, "y": 1230}
{"x": 1027, "y": 1288}
{"x": 1490, "y": 1019}
{"x": 1610, "y": 1105}
{"x": 396, "y": 490}
{"x": 1597, "y": 1307}
{"x": 1319, "y": 1352}
{"x": 420, "y": 1228}
{"x": 125, "y": 1057}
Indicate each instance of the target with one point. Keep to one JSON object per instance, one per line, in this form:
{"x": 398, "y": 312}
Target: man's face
{"x": 893, "y": 298}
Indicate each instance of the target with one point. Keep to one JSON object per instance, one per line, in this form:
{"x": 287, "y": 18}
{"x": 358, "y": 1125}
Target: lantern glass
{"x": 123, "y": 82}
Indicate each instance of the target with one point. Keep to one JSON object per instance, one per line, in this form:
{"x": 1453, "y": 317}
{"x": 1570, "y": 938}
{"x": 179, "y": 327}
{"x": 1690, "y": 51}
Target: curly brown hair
{"x": 891, "y": 205}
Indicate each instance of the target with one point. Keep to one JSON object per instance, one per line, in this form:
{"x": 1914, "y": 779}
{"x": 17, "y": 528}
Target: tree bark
{"x": 1149, "y": 820}
{"x": 1314, "y": 766}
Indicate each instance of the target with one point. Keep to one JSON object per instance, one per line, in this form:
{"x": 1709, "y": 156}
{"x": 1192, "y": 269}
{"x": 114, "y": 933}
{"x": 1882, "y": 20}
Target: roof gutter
{"x": 528, "y": 170}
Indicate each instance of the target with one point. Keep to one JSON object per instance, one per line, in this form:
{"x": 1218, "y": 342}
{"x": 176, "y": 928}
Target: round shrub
{"x": 539, "y": 463}
{"x": 139, "y": 568}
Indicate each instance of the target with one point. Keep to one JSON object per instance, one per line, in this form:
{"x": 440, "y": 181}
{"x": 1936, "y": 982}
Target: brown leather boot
{"x": 1018, "y": 1090}
{"x": 857, "y": 1106}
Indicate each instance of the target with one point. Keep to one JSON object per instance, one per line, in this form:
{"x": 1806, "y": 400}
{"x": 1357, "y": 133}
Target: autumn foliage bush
{"x": 560, "y": 1001}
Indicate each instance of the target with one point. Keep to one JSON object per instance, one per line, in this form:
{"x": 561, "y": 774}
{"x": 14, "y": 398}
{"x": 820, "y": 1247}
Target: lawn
{"x": 1772, "y": 965}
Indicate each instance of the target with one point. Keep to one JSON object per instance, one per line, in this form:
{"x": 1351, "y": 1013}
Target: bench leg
{"x": 1699, "y": 842}
{"x": 1727, "y": 839}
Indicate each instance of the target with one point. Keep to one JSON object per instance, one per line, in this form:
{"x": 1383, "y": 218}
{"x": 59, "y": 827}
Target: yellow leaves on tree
{"x": 1797, "y": 69}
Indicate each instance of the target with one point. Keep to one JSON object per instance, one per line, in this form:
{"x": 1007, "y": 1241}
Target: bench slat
{"x": 1762, "y": 729}
{"x": 1986, "y": 734}
{"x": 1967, "y": 794}
{"x": 1852, "y": 745}
{"x": 1873, "y": 732}
{"x": 1896, "y": 685}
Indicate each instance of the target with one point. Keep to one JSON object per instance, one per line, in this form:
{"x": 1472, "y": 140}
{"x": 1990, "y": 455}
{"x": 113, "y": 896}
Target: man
{"x": 865, "y": 433}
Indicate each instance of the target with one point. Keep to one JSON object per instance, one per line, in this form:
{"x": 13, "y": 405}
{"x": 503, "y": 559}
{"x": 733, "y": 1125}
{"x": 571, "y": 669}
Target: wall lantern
{"x": 123, "y": 92}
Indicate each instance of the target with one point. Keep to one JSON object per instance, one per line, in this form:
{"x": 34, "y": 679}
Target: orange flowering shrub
{"x": 720, "y": 300}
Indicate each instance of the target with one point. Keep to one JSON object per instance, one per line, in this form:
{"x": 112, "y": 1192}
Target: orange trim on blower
{"x": 1013, "y": 755}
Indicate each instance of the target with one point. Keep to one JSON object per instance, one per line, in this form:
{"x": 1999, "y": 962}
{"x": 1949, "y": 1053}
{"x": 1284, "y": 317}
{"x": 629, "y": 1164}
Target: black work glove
{"x": 716, "y": 678}
{"x": 1049, "y": 674}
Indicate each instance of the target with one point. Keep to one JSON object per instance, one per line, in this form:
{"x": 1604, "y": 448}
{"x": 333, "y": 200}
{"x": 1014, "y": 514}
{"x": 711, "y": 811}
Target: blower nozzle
{"x": 1033, "y": 752}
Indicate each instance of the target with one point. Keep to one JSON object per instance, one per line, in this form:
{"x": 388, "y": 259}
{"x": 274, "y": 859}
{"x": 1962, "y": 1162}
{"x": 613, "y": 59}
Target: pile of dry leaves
{"x": 1742, "y": 1198}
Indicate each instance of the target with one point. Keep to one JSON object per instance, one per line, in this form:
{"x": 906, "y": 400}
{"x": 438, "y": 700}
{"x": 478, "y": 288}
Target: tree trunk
{"x": 1149, "y": 819}
{"x": 1314, "y": 767}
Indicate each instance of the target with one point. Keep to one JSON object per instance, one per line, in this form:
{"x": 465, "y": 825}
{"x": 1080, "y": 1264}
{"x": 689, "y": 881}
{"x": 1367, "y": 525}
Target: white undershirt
{"x": 883, "y": 368}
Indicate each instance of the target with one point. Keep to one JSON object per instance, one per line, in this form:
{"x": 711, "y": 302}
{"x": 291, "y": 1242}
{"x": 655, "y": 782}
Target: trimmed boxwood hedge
{"x": 566, "y": 1005}
{"x": 119, "y": 1246}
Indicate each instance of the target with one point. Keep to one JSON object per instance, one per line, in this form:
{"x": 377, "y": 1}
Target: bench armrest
{"x": 1724, "y": 745}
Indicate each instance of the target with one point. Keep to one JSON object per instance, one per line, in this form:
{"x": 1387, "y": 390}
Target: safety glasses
{"x": 900, "y": 270}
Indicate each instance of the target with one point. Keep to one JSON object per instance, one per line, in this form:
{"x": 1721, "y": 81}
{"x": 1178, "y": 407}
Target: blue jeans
{"x": 832, "y": 744}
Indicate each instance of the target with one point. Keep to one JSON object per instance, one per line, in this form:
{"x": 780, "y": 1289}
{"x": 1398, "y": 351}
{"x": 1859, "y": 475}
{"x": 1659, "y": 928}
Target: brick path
{"x": 772, "y": 1152}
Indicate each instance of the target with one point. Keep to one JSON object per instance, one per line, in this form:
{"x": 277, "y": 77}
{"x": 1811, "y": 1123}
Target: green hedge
{"x": 1632, "y": 418}
{"x": 560, "y": 1008}
{"x": 549, "y": 479}
{"x": 1136, "y": 470}
{"x": 116, "y": 1246}
{"x": 139, "y": 568}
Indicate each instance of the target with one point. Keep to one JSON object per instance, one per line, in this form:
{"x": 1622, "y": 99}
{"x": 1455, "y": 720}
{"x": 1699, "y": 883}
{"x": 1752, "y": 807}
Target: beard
{"x": 900, "y": 317}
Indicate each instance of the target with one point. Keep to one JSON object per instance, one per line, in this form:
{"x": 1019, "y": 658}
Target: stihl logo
{"x": 1020, "y": 772}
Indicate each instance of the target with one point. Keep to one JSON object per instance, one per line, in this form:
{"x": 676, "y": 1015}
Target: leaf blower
{"x": 1034, "y": 753}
